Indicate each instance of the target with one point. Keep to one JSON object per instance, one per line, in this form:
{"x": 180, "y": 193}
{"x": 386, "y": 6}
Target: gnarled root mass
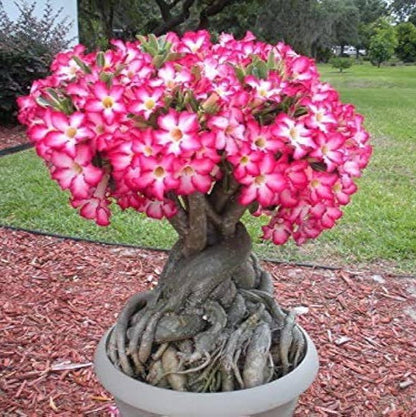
{"x": 212, "y": 324}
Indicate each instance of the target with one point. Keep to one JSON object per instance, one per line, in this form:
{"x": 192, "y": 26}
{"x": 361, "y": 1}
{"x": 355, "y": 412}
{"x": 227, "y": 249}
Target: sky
{"x": 69, "y": 9}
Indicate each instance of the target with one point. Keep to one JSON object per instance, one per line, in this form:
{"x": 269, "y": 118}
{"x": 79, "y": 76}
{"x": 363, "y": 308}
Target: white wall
{"x": 69, "y": 9}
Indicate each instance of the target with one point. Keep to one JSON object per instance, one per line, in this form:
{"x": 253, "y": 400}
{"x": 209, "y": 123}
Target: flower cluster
{"x": 174, "y": 116}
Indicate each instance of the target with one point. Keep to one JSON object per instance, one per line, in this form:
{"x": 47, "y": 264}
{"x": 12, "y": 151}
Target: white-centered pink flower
{"x": 106, "y": 100}
{"x": 68, "y": 132}
{"x": 156, "y": 209}
{"x": 320, "y": 185}
{"x": 194, "y": 175}
{"x": 278, "y": 231}
{"x": 96, "y": 205}
{"x": 178, "y": 132}
{"x": 146, "y": 100}
{"x": 264, "y": 89}
{"x": 229, "y": 129}
{"x": 320, "y": 117}
{"x": 294, "y": 133}
{"x": 262, "y": 138}
{"x": 77, "y": 173}
{"x": 170, "y": 76}
{"x": 157, "y": 176}
{"x": 329, "y": 149}
{"x": 264, "y": 184}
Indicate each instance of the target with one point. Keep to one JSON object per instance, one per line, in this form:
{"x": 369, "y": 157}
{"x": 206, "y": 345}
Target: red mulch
{"x": 12, "y": 136}
{"x": 57, "y": 298}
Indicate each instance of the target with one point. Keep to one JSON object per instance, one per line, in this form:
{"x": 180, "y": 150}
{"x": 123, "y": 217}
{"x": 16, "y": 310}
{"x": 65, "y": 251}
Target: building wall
{"x": 69, "y": 9}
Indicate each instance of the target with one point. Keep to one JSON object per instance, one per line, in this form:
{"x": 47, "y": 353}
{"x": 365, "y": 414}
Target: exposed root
{"x": 257, "y": 356}
{"x": 213, "y": 325}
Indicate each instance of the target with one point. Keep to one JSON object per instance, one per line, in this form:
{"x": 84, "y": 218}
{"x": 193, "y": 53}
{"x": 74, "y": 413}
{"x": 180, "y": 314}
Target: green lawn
{"x": 379, "y": 226}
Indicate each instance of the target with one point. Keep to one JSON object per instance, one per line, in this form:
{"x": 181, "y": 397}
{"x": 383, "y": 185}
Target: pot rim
{"x": 241, "y": 402}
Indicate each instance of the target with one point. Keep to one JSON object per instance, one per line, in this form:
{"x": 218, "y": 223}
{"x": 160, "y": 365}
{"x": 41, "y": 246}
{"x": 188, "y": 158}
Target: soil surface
{"x": 58, "y": 297}
{"x": 12, "y": 136}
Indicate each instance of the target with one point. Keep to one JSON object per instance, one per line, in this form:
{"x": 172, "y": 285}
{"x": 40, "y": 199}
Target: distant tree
{"x": 308, "y": 25}
{"x": 296, "y": 22}
{"x": 369, "y": 12}
{"x": 412, "y": 18}
{"x": 101, "y": 20}
{"x": 347, "y": 18}
{"x": 341, "y": 63}
{"x": 403, "y": 8}
{"x": 382, "y": 43}
{"x": 406, "y": 42}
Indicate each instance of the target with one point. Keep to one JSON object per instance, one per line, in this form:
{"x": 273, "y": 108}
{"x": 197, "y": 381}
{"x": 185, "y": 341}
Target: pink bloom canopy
{"x": 173, "y": 116}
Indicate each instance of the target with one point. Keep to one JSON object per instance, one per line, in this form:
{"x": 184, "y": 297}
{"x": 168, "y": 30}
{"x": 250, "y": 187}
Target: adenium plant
{"x": 200, "y": 132}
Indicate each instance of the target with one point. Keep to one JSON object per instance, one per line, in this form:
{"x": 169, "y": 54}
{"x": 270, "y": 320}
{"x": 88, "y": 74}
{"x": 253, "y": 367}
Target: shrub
{"x": 17, "y": 72}
{"x": 341, "y": 63}
{"x": 27, "y": 46}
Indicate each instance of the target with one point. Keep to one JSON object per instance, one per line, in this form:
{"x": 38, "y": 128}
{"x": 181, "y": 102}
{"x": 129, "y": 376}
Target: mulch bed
{"x": 59, "y": 296}
{"x": 12, "y": 136}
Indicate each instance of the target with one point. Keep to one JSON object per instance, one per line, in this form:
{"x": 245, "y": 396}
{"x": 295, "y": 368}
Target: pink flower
{"x": 264, "y": 185}
{"x": 157, "y": 176}
{"x": 262, "y": 138}
{"x": 343, "y": 189}
{"x": 96, "y": 206}
{"x": 229, "y": 128}
{"x": 264, "y": 89}
{"x": 39, "y": 128}
{"x": 170, "y": 76}
{"x": 245, "y": 161}
{"x": 320, "y": 117}
{"x": 195, "y": 41}
{"x": 104, "y": 133}
{"x": 326, "y": 214}
{"x": 320, "y": 186}
{"x": 329, "y": 149}
{"x": 294, "y": 133}
{"x": 146, "y": 101}
{"x": 106, "y": 100}
{"x": 178, "y": 132}
{"x": 279, "y": 231}
{"x": 68, "y": 132}
{"x": 77, "y": 173}
{"x": 158, "y": 209}
{"x": 301, "y": 69}
{"x": 194, "y": 175}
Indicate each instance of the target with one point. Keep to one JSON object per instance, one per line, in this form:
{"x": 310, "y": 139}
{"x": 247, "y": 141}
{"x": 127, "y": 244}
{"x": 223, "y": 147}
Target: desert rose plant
{"x": 200, "y": 132}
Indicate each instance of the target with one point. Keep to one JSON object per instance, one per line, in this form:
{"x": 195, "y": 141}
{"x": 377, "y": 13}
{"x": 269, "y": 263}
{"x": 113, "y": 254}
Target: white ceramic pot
{"x": 275, "y": 399}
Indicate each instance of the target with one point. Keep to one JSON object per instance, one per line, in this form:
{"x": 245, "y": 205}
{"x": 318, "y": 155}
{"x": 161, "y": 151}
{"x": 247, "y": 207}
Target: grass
{"x": 379, "y": 226}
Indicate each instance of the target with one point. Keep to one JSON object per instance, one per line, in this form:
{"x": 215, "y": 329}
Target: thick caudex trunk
{"x": 210, "y": 325}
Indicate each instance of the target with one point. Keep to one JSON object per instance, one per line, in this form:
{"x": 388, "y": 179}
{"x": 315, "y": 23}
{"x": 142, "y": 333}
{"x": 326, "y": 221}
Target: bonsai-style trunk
{"x": 212, "y": 323}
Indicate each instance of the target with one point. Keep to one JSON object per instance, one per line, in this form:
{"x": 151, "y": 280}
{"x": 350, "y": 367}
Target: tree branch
{"x": 212, "y": 215}
{"x": 211, "y": 10}
{"x": 164, "y": 10}
{"x": 233, "y": 213}
{"x": 223, "y": 192}
{"x": 196, "y": 238}
{"x": 176, "y": 20}
{"x": 180, "y": 220}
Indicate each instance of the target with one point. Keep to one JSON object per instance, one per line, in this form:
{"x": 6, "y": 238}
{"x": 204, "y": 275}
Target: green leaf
{"x": 239, "y": 72}
{"x": 271, "y": 61}
{"x": 100, "y": 60}
{"x": 43, "y": 102}
{"x": 82, "y": 65}
{"x": 158, "y": 61}
{"x": 262, "y": 70}
{"x": 153, "y": 43}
